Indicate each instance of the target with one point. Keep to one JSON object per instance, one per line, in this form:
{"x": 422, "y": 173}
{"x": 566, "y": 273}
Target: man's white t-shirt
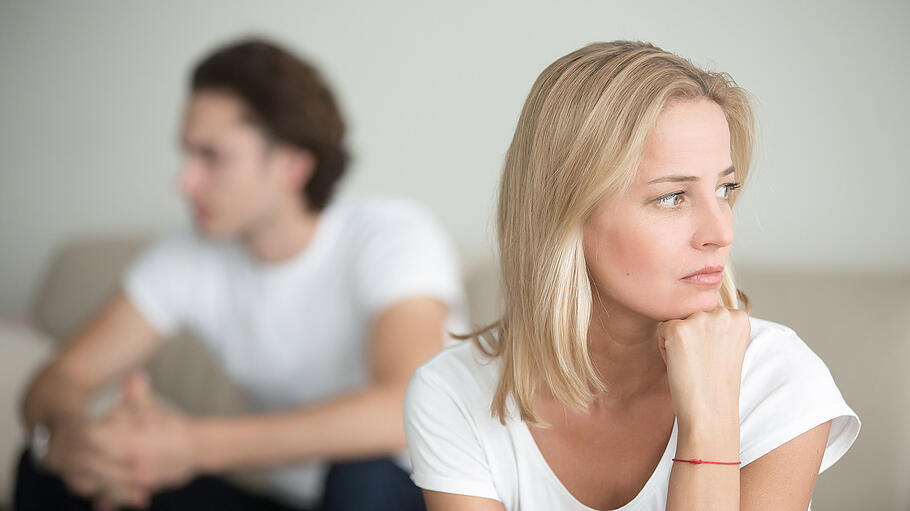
{"x": 295, "y": 333}
{"x": 456, "y": 446}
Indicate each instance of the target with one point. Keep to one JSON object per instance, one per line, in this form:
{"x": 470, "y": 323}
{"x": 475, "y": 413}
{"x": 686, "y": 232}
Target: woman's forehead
{"x": 691, "y": 138}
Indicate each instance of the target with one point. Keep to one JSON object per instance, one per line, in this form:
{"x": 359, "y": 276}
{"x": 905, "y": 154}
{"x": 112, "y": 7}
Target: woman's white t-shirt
{"x": 456, "y": 445}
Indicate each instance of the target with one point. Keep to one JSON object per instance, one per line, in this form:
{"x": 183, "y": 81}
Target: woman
{"x": 622, "y": 375}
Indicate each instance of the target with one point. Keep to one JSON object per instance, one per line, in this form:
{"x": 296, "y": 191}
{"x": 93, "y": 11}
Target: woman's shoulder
{"x": 461, "y": 376}
{"x": 765, "y": 328}
{"x": 461, "y": 367}
{"x": 771, "y": 342}
{"x": 787, "y": 389}
{"x": 452, "y": 437}
{"x": 776, "y": 353}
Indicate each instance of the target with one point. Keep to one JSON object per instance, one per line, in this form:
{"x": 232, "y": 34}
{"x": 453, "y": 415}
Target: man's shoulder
{"x": 187, "y": 248}
{"x": 380, "y": 211}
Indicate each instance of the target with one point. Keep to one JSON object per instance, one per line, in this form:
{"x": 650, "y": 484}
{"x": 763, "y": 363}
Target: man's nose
{"x": 190, "y": 178}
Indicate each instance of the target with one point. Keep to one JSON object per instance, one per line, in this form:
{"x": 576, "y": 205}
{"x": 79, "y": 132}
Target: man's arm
{"x": 359, "y": 424}
{"x": 116, "y": 341}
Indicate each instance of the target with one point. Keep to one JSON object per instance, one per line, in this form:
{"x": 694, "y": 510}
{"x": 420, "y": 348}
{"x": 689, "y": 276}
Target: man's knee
{"x": 37, "y": 488}
{"x": 376, "y": 484}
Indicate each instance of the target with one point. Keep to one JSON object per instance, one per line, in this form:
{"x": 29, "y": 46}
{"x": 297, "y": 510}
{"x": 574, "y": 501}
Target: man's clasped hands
{"x": 124, "y": 456}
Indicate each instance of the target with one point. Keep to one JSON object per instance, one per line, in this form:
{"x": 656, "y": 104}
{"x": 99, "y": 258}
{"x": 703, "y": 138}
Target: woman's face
{"x": 674, "y": 220}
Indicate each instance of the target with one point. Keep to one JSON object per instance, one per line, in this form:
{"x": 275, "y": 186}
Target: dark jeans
{"x": 376, "y": 484}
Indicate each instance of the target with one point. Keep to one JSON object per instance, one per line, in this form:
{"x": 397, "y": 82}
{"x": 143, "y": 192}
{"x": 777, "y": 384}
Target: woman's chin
{"x": 690, "y": 309}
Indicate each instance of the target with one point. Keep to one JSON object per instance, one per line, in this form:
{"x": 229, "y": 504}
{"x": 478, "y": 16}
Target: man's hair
{"x": 287, "y": 98}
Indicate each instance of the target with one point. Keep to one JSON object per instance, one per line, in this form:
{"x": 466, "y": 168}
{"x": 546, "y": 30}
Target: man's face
{"x": 228, "y": 175}
{"x": 640, "y": 245}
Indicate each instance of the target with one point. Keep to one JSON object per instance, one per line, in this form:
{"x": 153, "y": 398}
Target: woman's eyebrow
{"x": 675, "y": 178}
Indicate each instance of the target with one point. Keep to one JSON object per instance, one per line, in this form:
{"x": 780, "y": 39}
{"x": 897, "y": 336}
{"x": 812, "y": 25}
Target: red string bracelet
{"x": 699, "y": 461}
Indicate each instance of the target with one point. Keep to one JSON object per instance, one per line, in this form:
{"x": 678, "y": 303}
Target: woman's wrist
{"x": 710, "y": 417}
{"x": 712, "y": 437}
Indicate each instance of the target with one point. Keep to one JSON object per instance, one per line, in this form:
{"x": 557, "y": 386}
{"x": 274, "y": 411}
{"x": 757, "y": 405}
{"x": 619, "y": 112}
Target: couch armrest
{"x": 23, "y": 350}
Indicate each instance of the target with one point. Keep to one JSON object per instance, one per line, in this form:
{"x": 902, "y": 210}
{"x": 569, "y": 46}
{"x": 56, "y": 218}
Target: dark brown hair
{"x": 288, "y": 99}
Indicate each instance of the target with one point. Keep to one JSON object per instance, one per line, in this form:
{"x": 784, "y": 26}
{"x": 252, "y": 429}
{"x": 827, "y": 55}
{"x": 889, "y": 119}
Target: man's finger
{"x": 137, "y": 393}
{"x": 82, "y": 485}
{"x": 101, "y": 504}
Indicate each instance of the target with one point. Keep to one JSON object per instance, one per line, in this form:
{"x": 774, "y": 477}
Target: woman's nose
{"x": 714, "y": 225}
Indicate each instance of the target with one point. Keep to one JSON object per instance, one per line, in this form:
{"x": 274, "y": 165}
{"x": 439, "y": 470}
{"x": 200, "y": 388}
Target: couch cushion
{"x": 83, "y": 274}
{"x": 858, "y": 324}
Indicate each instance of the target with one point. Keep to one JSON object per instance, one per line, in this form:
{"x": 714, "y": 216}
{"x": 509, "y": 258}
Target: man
{"x": 319, "y": 308}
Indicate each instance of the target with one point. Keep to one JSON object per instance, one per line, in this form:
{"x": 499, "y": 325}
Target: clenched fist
{"x": 704, "y": 356}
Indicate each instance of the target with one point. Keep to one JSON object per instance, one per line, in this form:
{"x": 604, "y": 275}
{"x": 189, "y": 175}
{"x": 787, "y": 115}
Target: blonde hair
{"x": 580, "y": 137}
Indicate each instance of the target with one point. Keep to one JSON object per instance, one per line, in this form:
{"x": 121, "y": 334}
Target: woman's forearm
{"x": 705, "y": 487}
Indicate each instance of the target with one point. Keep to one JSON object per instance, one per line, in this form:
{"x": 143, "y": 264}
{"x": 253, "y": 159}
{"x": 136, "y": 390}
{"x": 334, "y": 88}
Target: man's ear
{"x": 300, "y": 166}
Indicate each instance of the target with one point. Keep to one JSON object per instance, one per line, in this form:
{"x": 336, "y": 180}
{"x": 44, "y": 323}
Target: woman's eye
{"x": 727, "y": 188}
{"x": 663, "y": 201}
{"x": 671, "y": 201}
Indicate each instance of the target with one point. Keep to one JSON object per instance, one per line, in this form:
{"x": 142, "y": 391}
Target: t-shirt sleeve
{"x": 443, "y": 442}
{"x": 405, "y": 253}
{"x": 159, "y": 284}
{"x": 786, "y": 391}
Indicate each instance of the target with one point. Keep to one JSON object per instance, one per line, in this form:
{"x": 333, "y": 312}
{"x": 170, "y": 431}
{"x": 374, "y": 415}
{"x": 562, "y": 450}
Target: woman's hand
{"x": 704, "y": 356}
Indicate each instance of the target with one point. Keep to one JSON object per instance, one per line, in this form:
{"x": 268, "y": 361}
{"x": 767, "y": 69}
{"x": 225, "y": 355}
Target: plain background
{"x": 92, "y": 94}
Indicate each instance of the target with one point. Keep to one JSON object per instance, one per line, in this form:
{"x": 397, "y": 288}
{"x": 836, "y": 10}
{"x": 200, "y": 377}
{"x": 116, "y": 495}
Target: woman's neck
{"x": 623, "y": 347}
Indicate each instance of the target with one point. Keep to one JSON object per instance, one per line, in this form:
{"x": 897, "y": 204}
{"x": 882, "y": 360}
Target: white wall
{"x": 91, "y": 93}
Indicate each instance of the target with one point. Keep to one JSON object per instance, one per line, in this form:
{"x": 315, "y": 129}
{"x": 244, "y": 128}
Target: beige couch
{"x": 857, "y": 323}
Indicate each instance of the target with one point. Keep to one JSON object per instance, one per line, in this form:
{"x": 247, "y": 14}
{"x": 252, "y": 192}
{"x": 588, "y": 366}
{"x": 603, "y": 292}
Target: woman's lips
{"x": 706, "y": 279}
